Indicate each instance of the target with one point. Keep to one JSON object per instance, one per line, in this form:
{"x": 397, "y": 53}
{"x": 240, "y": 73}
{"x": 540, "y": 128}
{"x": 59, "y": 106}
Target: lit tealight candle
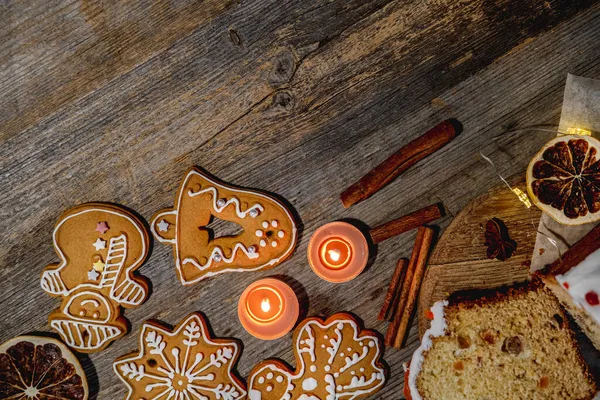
{"x": 268, "y": 309}
{"x": 338, "y": 252}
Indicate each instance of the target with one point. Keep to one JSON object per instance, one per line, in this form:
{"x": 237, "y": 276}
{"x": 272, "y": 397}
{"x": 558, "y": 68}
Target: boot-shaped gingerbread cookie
{"x": 268, "y": 237}
{"x": 99, "y": 245}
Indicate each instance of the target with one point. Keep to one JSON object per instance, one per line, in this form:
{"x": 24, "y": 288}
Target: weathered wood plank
{"x": 308, "y": 98}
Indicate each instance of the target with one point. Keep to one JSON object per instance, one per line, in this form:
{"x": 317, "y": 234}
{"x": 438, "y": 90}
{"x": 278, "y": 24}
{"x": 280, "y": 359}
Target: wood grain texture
{"x": 459, "y": 261}
{"x": 113, "y": 101}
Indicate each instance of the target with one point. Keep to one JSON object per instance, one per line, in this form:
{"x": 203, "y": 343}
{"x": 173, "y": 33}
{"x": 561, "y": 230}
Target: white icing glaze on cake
{"x": 438, "y": 327}
{"x": 582, "y": 279}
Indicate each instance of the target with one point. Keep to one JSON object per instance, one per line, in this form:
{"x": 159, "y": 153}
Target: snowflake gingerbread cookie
{"x": 99, "y": 245}
{"x": 335, "y": 360}
{"x": 184, "y": 363}
{"x": 268, "y": 237}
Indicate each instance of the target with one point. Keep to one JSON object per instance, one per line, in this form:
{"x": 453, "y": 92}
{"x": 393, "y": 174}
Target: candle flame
{"x": 265, "y": 305}
{"x": 334, "y": 254}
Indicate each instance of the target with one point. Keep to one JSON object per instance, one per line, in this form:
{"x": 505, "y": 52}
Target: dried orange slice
{"x": 563, "y": 179}
{"x": 40, "y": 368}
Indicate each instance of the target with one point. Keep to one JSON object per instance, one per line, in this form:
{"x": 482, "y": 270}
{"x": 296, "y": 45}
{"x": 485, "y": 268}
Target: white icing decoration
{"x": 305, "y": 344}
{"x": 281, "y": 234}
{"x": 97, "y": 301}
{"x": 309, "y": 384}
{"x": 270, "y": 375}
{"x": 274, "y": 223}
{"x": 274, "y": 243}
{"x": 258, "y": 233}
{"x": 313, "y": 368}
{"x": 99, "y": 244}
{"x": 261, "y": 380}
{"x": 217, "y": 255}
{"x": 67, "y": 328}
{"x": 163, "y": 226}
{"x": 582, "y": 279}
{"x": 269, "y": 388}
{"x": 438, "y": 327}
{"x": 253, "y": 213}
{"x": 128, "y": 292}
{"x": 81, "y": 333}
{"x": 82, "y": 313}
{"x": 219, "y": 208}
{"x": 279, "y": 379}
{"x": 174, "y": 212}
{"x": 309, "y": 343}
{"x": 182, "y": 366}
{"x": 262, "y": 243}
{"x": 265, "y": 224}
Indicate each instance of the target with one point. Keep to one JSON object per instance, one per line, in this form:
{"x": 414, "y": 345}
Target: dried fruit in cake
{"x": 268, "y": 236}
{"x": 40, "y": 368}
{"x": 520, "y": 348}
{"x": 563, "y": 179}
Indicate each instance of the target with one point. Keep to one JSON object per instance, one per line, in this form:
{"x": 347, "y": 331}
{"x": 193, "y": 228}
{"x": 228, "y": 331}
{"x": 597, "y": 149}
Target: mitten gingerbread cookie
{"x": 184, "y": 363}
{"x": 335, "y": 360}
{"x": 268, "y": 236}
{"x": 99, "y": 245}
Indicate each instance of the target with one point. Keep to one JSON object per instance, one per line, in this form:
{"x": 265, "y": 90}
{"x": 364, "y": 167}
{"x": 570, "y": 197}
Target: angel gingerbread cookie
{"x": 335, "y": 360}
{"x": 269, "y": 232}
{"x": 184, "y": 363}
{"x": 99, "y": 246}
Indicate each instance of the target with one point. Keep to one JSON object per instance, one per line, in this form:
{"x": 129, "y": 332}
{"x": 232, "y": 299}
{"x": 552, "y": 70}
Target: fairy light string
{"x": 524, "y": 199}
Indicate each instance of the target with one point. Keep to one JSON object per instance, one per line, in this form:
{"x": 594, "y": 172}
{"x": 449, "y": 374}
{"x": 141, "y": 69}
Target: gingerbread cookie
{"x": 268, "y": 237}
{"x": 335, "y": 360}
{"x": 184, "y": 363}
{"x": 99, "y": 245}
{"x": 40, "y": 368}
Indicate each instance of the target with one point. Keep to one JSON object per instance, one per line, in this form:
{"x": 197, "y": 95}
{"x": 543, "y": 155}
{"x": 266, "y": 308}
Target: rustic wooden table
{"x": 113, "y": 102}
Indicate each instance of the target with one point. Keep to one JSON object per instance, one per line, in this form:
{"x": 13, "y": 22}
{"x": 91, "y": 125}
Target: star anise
{"x": 499, "y": 244}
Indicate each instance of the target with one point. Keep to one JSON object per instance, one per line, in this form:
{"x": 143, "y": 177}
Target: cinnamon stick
{"x": 390, "y": 335}
{"x": 576, "y": 254}
{"x": 394, "y": 165}
{"x": 410, "y": 221}
{"x": 415, "y": 286}
{"x": 392, "y": 293}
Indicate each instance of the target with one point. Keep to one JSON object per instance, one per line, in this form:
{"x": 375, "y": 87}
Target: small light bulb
{"x": 265, "y": 305}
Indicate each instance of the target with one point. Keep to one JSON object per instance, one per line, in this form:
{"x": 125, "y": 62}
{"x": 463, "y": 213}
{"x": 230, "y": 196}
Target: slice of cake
{"x": 510, "y": 344}
{"x": 575, "y": 280}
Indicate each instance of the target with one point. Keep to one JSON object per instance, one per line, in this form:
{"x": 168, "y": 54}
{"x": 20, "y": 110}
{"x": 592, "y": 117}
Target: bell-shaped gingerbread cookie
{"x": 99, "y": 246}
{"x": 269, "y": 232}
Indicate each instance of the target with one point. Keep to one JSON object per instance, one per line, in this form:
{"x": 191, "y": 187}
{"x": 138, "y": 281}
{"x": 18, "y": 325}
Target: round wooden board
{"x": 459, "y": 260}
